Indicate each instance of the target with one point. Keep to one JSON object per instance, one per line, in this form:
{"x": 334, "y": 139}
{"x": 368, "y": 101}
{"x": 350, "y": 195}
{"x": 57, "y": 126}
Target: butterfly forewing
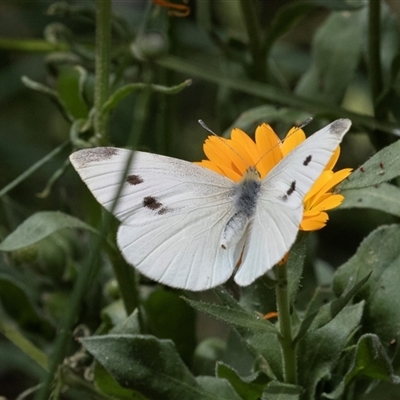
{"x": 172, "y": 214}
{"x": 280, "y": 206}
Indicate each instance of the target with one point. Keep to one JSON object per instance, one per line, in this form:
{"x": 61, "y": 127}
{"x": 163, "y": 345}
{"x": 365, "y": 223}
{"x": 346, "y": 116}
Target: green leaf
{"x": 148, "y": 365}
{"x": 69, "y": 91}
{"x": 19, "y": 305}
{"x": 113, "y": 315}
{"x": 12, "y": 334}
{"x": 282, "y": 391}
{"x": 382, "y": 167}
{"x": 126, "y": 90}
{"x": 379, "y": 253}
{"x": 372, "y": 361}
{"x": 215, "y": 388}
{"x": 320, "y": 349}
{"x": 39, "y": 226}
{"x": 369, "y": 361}
{"x": 170, "y": 317}
{"x": 51, "y": 93}
{"x": 339, "y": 39}
{"x": 385, "y": 197}
{"x": 328, "y": 312}
{"x": 249, "y": 388}
{"x": 237, "y": 317}
{"x": 109, "y": 386}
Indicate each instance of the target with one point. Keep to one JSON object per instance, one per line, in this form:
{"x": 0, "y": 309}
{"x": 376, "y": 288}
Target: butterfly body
{"x": 187, "y": 226}
{"x": 245, "y": 198}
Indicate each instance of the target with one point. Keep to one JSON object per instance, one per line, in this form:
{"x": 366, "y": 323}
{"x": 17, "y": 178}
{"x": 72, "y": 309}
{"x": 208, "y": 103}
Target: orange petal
{"x": 221, "y": 169}
{"x": 293, "y": 138}
{"x": 332, "y": 201}
{"x": 245, "y": 145}
{"x": 332, "y": 162}
{"x": 314, "y": 223}
{"x": 323, "y": 180}
{"x": 268, "y": 145}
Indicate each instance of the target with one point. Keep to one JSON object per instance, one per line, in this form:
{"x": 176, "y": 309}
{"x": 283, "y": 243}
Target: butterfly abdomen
{"x": 246, "y": 195}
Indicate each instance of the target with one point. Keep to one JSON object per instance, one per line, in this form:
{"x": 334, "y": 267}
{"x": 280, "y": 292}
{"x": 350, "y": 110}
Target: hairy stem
{"x": 101, "y": 90}
{"x": 285, "y": 326}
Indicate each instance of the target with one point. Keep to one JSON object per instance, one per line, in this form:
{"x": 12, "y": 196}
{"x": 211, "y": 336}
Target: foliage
{"x": 76, "y": 320}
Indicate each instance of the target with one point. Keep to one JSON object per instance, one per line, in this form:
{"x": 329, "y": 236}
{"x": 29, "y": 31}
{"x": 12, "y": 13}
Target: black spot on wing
{"x": 307, "y": 160}
{"x": 292, "y": 188}
{"x": 134, "y": 179}
{"x": 152, "y": 203}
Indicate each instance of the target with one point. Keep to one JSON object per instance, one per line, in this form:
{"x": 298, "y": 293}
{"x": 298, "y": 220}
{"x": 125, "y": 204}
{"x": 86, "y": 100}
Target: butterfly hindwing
{"x": 172, "y": 214}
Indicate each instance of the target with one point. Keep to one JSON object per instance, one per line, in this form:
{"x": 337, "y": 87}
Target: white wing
{"x": 172, "y": 214}
{"x": 280, "y": 205}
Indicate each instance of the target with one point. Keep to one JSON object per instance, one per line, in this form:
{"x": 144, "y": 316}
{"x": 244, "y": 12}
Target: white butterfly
{"x": 187, "y": 226}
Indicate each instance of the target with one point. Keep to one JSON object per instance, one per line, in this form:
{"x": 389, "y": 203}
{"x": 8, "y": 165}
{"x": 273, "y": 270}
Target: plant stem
{"x": 374, "y": 48}
{"x": 379, "y": 139}
{"x": 103, "y": 33}
{"x": 101, "y": 89}
{"x": 285, "y": 338}
{"x": 26, "y": 174}
{"x": 254, "y": 32}
{"x": 273, "y": 94}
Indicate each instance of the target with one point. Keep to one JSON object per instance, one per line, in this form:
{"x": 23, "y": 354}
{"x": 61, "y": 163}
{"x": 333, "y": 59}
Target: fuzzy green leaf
{"x": 38, "y": 227}
{"x": 281, "y": 391}
{"x": 328, "y": 312}
{"x": 237, "y": 317}
{"x": 382, "y": 167}
{"x": 321, "y": 348}
{"x": 385, "y": 197}
{"x": 215, "y": 388}
{"x": 150, "y": 366}
{"x": 379, "y": 253}
{"x": 372, "y": 361}
{"x": 109, "y": 386}
{"x": 249, "y": 388}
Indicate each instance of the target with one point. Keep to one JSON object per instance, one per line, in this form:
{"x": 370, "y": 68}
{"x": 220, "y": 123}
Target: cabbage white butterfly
{"x": 187, "y": 226}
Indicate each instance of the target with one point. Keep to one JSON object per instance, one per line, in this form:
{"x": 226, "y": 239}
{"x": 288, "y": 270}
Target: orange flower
{"x": 233, "y": 159}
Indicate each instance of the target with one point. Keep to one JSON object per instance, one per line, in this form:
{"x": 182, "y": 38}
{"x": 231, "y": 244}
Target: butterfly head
{"x": 251, "y": 174}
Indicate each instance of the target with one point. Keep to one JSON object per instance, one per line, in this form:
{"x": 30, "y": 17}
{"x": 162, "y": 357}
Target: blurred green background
{"x": 317, "y": 61}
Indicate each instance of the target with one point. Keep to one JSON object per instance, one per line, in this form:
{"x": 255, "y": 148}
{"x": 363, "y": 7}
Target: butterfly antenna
{"x": 203, "y": 125}
{"x": 301, "y": 126}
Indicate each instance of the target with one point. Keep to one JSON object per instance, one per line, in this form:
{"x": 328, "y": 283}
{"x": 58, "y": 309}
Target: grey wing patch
{"x": 87, "y": 156}
{"x": 339, "y": 126}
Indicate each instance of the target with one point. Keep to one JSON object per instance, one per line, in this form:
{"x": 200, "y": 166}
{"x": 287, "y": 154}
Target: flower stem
{"x": 285, "y": 338}
{"x": 101, "y": 89}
